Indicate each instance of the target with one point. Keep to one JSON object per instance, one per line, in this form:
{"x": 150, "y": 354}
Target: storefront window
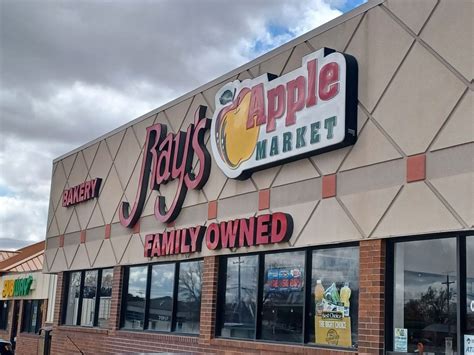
{"x": 135, "y": 301}
{"x": 81, "y": 297}
{"x": 240, "y": 305}
{"x": 335, "y": 297}
{"x": 89, "y": 294}
{"x": 72, "y": 303}
{"x": 161, "y": 297}
{"x": 470, "y": 286}
{"x": 283, "y": 297}
{"x": 32, "y": 316}
{"x": 189, "y": 297}
{"x": 105, "y": 297}
{"x": 158, "y": 298}
{"x": 4, "y": 307}
{"x": 425, "y": 297}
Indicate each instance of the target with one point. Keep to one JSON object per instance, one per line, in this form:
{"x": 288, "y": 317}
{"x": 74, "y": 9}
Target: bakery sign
{"x": 271, "y": 120}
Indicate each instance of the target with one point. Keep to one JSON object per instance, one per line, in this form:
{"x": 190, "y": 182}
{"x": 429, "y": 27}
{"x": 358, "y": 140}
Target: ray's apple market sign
{"x": 257, "y": 124}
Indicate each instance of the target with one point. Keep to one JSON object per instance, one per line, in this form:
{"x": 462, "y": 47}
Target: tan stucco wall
{"x": 415, "y": 97}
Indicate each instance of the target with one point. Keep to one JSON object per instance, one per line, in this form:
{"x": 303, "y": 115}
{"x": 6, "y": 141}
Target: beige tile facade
{"x": 415, "y": 97}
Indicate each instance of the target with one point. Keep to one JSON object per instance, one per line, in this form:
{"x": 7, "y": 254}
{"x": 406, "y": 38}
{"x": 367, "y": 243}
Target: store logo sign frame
{"x": 267, "y": 121}
{"x": 17, "y": 287}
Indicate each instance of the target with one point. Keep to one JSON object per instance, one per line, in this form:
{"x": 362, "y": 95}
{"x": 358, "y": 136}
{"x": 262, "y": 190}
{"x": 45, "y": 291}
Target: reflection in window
{"x": 72, "y": 303}
{"x": 4, "y": 306}
{"x": 189, "y": 297}
{"x": 240, "y": 297}
{"x": 335, "y": 297}
{"x": 161, "y": 297}
{"x": 283, "y": 297}
{"x": 88, "y": 298}
{"x": 105, "y": 297}
{"x": 470, "y": 285}
{"x": 425, "y": 296}
{"x": 135, "y": 300}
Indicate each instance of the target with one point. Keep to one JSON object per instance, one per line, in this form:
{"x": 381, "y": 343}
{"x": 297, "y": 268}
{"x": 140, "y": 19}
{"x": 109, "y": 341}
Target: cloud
{"x": 72, "y": 71}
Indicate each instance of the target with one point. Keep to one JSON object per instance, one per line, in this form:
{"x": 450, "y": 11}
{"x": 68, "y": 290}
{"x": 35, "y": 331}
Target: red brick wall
{"x": 371, "y": 296}
{"x": 113, "y": 340}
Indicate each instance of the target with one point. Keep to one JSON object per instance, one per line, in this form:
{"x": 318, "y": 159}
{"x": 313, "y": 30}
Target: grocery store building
{"x": 317, "y": 200}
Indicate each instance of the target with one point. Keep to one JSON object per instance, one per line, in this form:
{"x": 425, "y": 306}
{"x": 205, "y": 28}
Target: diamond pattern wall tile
{"x": 329, "y": 162}
{"x": 194, "y": 197}
{"x": 295, "y": 59}
{"x": 58, "y": 184}
{"x": 59, "y": 263}
{"x": 329, "y": 223}
{"x": 236, "y": 187}
{"x": 128, "y": 157}
{"x": 68, "y": 162}
{"x": 81, "y": 260}
{"x": 379, "y": 45}
{"x": 134, "y": 252}
{"x": 244, "y": 75}
{"x": 133, "y": 182}
{"x": 198, "y": 100}
{"x": 106, "y": 256}
{"x": 416, "y": 210}
{"x": 119, "y": 244}
{"x": 336, "y": 37}
{"x": 96, "y": 219}
{"x": 372, "y": 147}
{"x": 78, "y": 172}
{"x": 84, "y": 211}
{"x": 300, "y": 214}
{"x": 412, "y": 114}
{"x": 140, "y": 128}
{"x": 191, "y": 216}
{"x": 63, "y": 215}
{"x": 413, "y": 13}
{"x": 70, "y": 252}
{"x": 460, "y": 199}
{"x": 275, "y": 64}
{"x": 238, "y": 206}
{"x": 264, "y": 178}
{"x": 216, "y": 180}
{"x": 49, "y": 256}
{"x": 73, "y": 224}
{"x": 177, "y": 113}
{"x": 460, "y": 127}
{"x": 102, "y": 163}
{"x": 53, "y": 228}
{"x": 149, "y": 207}
{"x": 113, "y": 143}
{"x": 110, "y": 196}
{"x": 448, "y": 30}
{"x": 93, "y": 248}
{"x": 89, "y": 154}
{"x": 296, "y": 171}
{"x": 210, "y": 94}
{"x": 369, "y": 206}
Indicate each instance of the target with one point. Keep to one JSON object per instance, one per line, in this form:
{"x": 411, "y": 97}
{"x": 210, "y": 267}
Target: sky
{"x": 71, "y": 71}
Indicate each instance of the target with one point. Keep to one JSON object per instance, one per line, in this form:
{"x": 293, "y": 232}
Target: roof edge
{"x": 294, "y": 42}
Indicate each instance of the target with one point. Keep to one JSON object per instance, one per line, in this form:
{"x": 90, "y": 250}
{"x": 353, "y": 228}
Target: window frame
{"x": 174, "y": 308}
{"x": 26, "y": 326}
{"x": 77, "y": 321}
{"x": 307, "y": 316}
{"x": 460, "y": 287}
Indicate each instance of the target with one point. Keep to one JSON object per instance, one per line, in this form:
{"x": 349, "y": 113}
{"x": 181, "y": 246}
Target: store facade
{"x": 316, "y": 200}
{"x": 27, "y": 298}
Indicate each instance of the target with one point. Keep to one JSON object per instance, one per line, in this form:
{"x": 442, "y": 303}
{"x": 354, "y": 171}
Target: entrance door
{"x": 16, "y": 315}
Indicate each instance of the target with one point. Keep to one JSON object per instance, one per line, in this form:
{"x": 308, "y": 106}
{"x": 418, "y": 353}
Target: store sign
{"x": 261, "y": 230}
{"x": 400, "y": 340}
{"x": 168, "y": 157}
{"x": 17, "y": 287}
{"x": 82, "y": 192}
{"x": 267, "y": 121}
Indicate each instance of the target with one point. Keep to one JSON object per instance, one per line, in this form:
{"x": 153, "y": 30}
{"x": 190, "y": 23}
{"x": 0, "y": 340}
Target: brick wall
{"x": 371, "y": 296}
{"x": 66, "y": 339}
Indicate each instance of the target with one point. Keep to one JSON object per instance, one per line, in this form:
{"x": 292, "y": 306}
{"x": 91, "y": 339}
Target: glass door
{"x": 469, "y": 306}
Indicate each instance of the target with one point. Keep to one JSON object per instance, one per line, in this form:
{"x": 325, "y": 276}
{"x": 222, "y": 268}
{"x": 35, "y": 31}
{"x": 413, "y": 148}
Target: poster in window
{"x": 284, "y": 279}
{"x": 332, "y": 321}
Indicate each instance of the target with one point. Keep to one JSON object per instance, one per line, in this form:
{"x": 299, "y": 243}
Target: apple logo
{"x": 235, "y": 142}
